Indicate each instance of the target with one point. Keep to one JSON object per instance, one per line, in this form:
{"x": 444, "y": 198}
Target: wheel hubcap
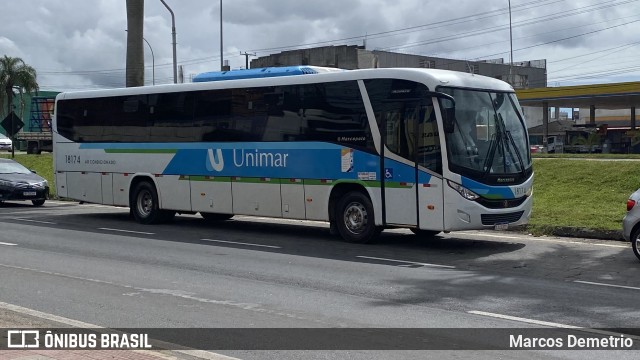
{"x": 145, "y": 203}
{"x": 355, "y": 218}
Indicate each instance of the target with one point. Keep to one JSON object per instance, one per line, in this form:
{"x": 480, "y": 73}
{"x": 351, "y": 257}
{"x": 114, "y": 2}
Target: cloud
{"x": 81, "y": 44}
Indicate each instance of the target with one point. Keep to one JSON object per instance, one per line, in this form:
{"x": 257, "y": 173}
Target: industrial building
{"x": 524, "y": 75}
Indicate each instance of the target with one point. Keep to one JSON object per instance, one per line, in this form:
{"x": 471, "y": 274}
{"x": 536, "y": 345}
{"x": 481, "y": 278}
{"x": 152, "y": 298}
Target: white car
{"x": 5, "y": 143}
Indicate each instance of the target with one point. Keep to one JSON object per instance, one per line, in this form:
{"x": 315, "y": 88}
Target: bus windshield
{"x": 489, "y": 140}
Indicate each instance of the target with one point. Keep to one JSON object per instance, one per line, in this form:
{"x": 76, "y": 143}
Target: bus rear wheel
{"x": 145, "y": 207}
{"x": 354, "y": 218}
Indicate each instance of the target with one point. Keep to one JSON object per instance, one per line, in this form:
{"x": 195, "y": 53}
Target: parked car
{"x": 536, "y": 149}
{"x": 5, "y": 143}
{"x": 19, "y": 183}
{"x": 631, "y": 222}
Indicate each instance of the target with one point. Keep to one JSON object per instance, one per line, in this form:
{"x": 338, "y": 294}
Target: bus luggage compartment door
{"x": 85, "y": 186}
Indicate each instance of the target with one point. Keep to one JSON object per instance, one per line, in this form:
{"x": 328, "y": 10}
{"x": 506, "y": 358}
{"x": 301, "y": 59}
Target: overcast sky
{"x": 81, "y": 44}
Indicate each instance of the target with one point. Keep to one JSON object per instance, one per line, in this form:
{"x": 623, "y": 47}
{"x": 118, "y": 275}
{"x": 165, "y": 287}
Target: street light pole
{"x": 173, "y": 34}
{"x": 511, "y": 47}
{"x": 153, "y": 61}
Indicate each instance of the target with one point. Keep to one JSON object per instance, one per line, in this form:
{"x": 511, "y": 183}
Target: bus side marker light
{"x": 309, "y": 200}
{"x": 431, "y": 207}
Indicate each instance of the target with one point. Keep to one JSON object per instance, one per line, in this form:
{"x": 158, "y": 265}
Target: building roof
{"x": 602, "y": 96}
{"x": 557, "y": 127}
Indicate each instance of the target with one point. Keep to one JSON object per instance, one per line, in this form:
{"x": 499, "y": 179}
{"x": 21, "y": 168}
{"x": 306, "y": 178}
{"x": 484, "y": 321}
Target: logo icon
{"x": 388, "y": 173}
{"x": 23, "y": 339}
{"x": 216, "y": 161}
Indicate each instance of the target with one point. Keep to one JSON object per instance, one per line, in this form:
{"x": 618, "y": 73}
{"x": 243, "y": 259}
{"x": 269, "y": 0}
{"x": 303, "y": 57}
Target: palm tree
{"x": 135, "y": 50}
{"x": 15, "y": 75}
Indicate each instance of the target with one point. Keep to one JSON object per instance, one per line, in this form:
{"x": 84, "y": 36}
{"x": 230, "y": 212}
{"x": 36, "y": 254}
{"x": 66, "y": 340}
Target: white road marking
{"x": 549, "y": 324}
{"x": 541, "y": 239}
{"x": 172, "y": 292}
{"x": 127, "y": 231}
{"x": 241, "y": 243}
{"x": 8, "y": 244}
{"x": 35, "y": 221}
{"x": 406, "y": 263}
{"x": 524, "y": 320}
{"x": 608, "y": 285}
{"x": 582, "y": 243}
{"x": 79, "y": 324}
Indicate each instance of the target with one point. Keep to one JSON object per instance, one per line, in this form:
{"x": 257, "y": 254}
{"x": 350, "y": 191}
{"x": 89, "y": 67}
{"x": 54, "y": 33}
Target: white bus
{"x": 365, "y": 150}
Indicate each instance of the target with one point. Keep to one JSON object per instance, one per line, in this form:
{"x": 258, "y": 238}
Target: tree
{"x": 15, "y": 75}
{"x": 135, "y": 50}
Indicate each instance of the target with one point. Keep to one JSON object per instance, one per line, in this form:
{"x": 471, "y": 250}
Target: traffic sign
{"x": 8, "y": 121}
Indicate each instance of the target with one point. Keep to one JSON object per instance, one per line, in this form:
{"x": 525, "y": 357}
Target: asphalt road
{"x": 94, "y": 264}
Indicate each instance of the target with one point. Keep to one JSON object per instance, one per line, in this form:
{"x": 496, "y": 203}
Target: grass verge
{"x": 582, "y": 193}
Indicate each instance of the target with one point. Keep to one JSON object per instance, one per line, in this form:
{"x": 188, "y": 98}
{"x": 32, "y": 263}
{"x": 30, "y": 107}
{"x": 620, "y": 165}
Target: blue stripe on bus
{"x": 492, "y": 192}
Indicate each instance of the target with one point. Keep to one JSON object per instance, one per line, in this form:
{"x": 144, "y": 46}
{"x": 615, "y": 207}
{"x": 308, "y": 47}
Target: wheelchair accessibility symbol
{"x": 388, "y": 173}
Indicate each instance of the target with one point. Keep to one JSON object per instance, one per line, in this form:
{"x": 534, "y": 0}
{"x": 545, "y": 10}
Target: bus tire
{"x": 355, "y": 218}
{"x": 215, "y": 216}
{"x": 145, "y": 207}
{"x": 425, "y": 234}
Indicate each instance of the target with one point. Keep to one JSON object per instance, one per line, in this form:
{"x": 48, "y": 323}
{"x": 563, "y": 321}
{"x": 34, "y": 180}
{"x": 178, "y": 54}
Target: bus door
{"x": 430, "y": 181}
{"x": 399, "y": 163}
{"x": 412, "y": 164}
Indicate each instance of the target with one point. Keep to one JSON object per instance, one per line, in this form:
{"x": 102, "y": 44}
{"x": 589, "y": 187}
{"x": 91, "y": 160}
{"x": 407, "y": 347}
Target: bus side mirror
{"x": 448, "y": 108}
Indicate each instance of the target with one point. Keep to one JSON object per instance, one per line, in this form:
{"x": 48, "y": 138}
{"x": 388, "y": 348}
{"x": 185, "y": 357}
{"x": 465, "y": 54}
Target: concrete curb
{"x": 576, "y": 232}
{"x": 566, "y": 231}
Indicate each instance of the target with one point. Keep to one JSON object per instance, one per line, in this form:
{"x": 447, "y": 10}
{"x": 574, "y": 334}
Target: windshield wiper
{"x": 495, "y": 140}
{"x": 513, "y": 144}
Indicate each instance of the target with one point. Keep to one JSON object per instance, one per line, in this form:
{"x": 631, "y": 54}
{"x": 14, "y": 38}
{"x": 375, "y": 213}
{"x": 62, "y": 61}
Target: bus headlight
{"x": 466, "y": 193}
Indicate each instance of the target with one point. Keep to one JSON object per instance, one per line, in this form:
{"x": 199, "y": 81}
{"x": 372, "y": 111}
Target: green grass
{"x": 571, "y": 193}
{"x": 585, "y": 194}
{"x": 585, "y": 156}
{"x": 42, "y": 164}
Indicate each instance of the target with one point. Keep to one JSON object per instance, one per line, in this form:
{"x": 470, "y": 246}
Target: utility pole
{"x": 246, "y": 58}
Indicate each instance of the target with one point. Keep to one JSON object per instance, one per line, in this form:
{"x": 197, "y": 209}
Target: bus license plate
{"x": 29, "y": 193}
{"x": 502, "y": 227}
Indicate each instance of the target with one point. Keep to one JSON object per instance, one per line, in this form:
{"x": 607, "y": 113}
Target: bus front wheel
{"x": 145, "y": 207}
{"x": 354, "y": 218}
